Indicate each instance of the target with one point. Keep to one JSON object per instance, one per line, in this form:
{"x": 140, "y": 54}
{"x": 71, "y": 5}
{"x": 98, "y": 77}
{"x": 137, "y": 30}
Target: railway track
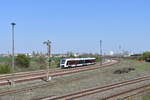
{"x": 34, "y": 75}
{"x": 95, "y": 90}
{"x": 63, "y": 72}
{"x": 128, "y": 93}
{"x": 140, "y": 92}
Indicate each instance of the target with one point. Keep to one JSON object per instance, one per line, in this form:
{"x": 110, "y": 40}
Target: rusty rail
{"x": 28, "y": 76}
{"x": 87, "y": 92}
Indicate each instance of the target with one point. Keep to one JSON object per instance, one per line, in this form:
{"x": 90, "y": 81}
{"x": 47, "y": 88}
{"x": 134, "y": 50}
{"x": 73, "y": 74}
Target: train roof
{"x": 78, "y": 58}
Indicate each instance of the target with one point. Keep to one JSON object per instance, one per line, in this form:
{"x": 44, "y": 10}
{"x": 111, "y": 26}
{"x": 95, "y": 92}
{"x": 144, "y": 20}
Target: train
{"x": 76, "y": 62}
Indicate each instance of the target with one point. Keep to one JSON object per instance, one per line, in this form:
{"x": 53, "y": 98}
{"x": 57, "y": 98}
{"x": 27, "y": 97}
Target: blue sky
{"x": 75, "y": 25}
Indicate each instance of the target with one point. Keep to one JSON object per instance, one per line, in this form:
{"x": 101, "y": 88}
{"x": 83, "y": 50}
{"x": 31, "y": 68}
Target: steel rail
{"x": 20, "y": 74}
{"x": 100, "y": 89}
{"x": 33, "y": 87}
{"x": 137, "y": 89}
{"x": 140, "y": 92}
{"x": 40, "y": 75}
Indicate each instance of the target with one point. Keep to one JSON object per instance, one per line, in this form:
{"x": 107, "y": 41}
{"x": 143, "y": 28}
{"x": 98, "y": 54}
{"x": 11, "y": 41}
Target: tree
{"x": 22, "y": 61}
{"x": 146, "y": 56}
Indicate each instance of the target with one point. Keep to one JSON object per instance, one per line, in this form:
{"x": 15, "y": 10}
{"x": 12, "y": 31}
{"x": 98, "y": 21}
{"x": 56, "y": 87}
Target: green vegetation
{"x": 55, "y": 62}
{"x": 93, "y": 78}
{"x": 5, "y": 60}
{"x": 145, "y": 56}
{"x": 41, "y": 61}
{"x": 146, "y": 98}
{"x": 26, "y": 63}
{"x": 5, "y": 69}
{"x": 139, "y": 66}
{"x": 22, "y": 61}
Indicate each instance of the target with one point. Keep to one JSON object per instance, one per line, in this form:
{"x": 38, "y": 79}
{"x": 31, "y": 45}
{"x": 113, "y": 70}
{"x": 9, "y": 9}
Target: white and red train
{"x": 76, "y": 62}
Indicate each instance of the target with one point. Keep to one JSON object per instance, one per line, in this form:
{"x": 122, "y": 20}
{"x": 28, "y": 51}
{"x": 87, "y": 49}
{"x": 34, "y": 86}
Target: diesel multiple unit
{"x": 76, "y": 62}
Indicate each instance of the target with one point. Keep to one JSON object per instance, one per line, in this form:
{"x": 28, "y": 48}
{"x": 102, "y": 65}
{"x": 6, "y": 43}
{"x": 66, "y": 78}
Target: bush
{"x": 5, "y": 69}
{"x": 22, "y": 61}
{"x": 123, "y": 70}
{"x": 41, "y": 61}
{"x": 56, "y": 61}
{"x": 145, "y": 56}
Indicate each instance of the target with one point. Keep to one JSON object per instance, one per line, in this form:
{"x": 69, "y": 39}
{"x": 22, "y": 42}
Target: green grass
{"x": 88, "y": 79}
{"x": 34, "y": 65}
{"x": 5, "y": 59}
{"x": 5, "y": 69}
{"x": 141, "y": 66}
{"x": 146, "y": 98}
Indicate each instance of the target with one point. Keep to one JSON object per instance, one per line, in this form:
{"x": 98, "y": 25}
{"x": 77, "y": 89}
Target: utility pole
{"x": 48, "y": 44}
{"x": 101, "y": 53}
{"x": 119, "y": 52}
{"x": 13, "y": 46}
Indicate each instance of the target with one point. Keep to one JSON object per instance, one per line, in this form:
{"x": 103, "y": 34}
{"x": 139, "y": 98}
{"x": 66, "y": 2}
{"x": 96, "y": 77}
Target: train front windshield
{"x": 63, "y": 61}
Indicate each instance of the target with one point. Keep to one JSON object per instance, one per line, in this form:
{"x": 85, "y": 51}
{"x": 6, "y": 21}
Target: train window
{"x": 87, "y": 61}
{"x": 73, "y": 62}
{"x": 70, "y": 62}
{"x": 78, "y": 62}
{"x": 81, "y": 61}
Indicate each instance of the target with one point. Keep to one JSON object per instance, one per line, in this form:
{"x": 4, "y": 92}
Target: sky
{"x": 75, "y": 25}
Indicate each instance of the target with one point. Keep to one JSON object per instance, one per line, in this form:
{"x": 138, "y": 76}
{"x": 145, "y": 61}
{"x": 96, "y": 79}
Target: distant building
{"x": 111, "y": 53}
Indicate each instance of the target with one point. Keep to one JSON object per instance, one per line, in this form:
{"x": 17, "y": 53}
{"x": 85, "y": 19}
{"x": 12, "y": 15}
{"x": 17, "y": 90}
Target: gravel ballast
{"x": 83, "y": 80}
